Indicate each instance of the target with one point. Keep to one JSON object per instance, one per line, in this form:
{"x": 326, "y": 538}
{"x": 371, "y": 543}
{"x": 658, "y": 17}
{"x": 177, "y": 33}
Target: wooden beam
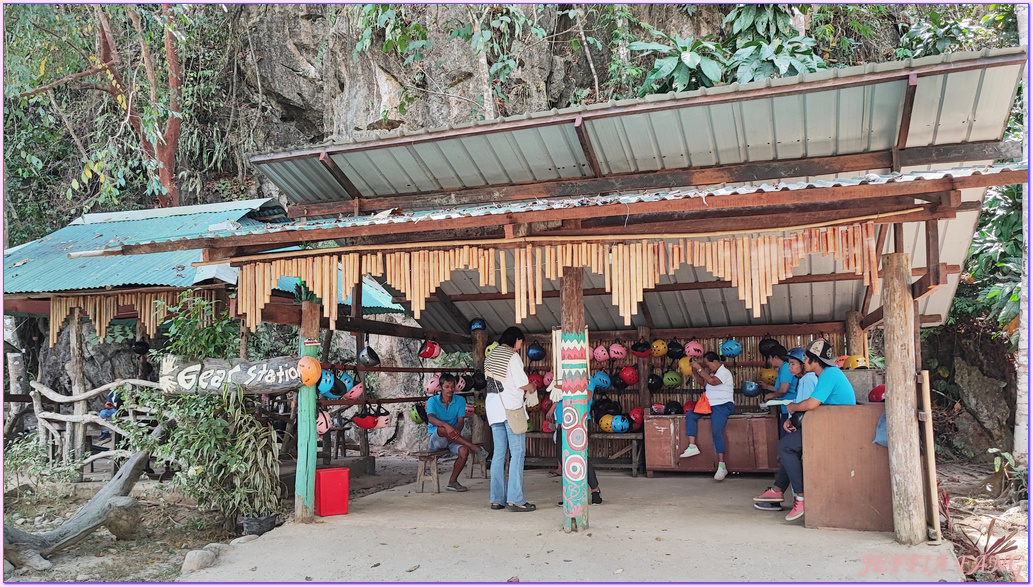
{"x": 653, "y": 106}
{"x": 290, "y": 314}
{"x": 803, "y": 329}
{"x": 668, "y": 178}
{"x": 875, "y": 318}
{"x": 932, "y": 250}
{"x": 898, "y": 237}
{"x": 586, "y": 146}
{"x": 905, "y": 118}
{"x": 339, "y": 175}
{"x": 880, "y": 244}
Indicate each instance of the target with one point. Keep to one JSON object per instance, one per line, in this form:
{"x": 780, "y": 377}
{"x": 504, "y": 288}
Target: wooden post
{"x": 75, "y": 438}
{"x": 933, "y": 515}
{"x": 245, "y": 335}
{"x": 643, "y": 370}
{"x": 305, "y": 480}
{"x": 855, "y": 336}
{"x": 479, "y": 425}
{"x": 901, "y": 401}
{"x": 574, "y": 373}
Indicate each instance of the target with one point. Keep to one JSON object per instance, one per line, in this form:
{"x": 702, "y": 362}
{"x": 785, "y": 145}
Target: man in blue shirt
{"x": 446, "y": 415}
{"x": 785, "y": 384}
{"x": 834, "y": 389}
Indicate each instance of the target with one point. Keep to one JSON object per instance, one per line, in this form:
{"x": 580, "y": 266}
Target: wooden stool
{"x": 474, "y": 462}
{"x": 429, "y": 460}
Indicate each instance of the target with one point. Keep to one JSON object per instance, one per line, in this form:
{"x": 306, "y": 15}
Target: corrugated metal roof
{"x": 375, "y": 300}
{"x": 812, "y": 121}
{"x": 43, "y": 265}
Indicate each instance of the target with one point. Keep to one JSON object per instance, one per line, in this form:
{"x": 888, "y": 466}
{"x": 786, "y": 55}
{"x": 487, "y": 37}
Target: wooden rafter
{"x": 339, "y": 175}
{"x": 905, "y": 119}
{"x": 586, "y": 146}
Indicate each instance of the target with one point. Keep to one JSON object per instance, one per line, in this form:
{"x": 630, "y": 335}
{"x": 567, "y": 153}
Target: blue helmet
{"x": 731, "y": 348}
{"x": 477, "y": 324}
{"x": 620, "y": 423}
{"x": 750, "y": 389}
{"x": 326, "y": 382}
{"x": 599, "y": 381}
{"x": 535, "y": 352}
{"x": 797, "y": 353}
{"x": 346, "y": 380}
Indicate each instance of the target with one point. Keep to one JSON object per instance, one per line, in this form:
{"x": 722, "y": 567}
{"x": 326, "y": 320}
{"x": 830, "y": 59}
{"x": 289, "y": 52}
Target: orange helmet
{"x": 310, "y": 371}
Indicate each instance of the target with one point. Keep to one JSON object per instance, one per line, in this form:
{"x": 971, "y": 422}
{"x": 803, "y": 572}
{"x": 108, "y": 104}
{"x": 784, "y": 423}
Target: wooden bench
{"x": 634, "y": 463}
{"x": 428, "y": 468}
{"x": 477, "y": 463}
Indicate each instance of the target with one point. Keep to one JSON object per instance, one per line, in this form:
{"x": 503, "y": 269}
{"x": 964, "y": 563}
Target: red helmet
{"x": 629, "y": 375}
{"x": 546, "y": 426}
{"x": 537, "y": 380}
{"x": 638, "y": 417}
{"x": 689, "y": 406}
{"x": 547, "y": 405}
{"x": 694, "y": 349}
{"x": 601, "y": 354}
{"x": 617, "y": 351}
{"x": 657, "y": 409}
{"x": 430, "y": 349}
{"x": 878, "y": 394}
{"x": 641, "y": 348}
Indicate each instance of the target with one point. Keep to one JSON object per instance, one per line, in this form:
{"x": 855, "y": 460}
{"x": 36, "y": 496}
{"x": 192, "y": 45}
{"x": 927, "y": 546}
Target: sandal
{"x": 497, "y": 506}
{"x": 527, "y": 507}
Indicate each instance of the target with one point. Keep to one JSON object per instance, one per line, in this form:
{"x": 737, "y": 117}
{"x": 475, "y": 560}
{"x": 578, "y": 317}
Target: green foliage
{"x": 401, "y": 35}
{"x": 26, "y": 460}
{"x": 622, "y": 74}
{"x": 759, "y": 59}
{"x": 492, "y": 30}
{"x": 197, "y": 331}
{"x": 852, "y": 33}
{"x": 229, "y": 460}
{"x": 935, "y": 34}
{"x": 761, "y": 22}
{"x": 684, "y": 64}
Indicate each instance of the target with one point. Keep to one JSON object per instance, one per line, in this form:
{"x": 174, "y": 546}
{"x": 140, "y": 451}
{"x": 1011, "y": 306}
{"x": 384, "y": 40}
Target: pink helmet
{"x": 547, "y": 378}
{"x": 694, "y": 349}
{"x": 617, "y": 351}
{"x": 430, "y": 349}
{"x": 601, "y": 354}
{"x": 355, "y": 392}
{"x": 322, "y": 422}
{"x": 433, "y": 385}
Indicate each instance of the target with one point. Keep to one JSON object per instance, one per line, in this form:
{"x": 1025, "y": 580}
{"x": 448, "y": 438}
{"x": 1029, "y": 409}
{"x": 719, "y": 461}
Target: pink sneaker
{"x": 772, "y": 495}
{"x": 797, "y": 512}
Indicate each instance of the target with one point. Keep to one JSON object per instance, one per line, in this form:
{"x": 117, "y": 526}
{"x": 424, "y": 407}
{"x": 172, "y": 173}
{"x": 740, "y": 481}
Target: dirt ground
{"x": 172, "y": 526}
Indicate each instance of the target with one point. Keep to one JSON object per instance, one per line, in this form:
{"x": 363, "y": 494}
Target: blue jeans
{"x": 790, "y": 458}
{"x": 718, "y": 417}
{"x": 504, "y": 440}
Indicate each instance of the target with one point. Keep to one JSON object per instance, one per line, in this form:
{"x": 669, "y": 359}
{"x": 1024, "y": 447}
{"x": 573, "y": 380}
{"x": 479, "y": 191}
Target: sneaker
{"x": 722, "y": 472}
{"x": 797, "y": 512}
{"x": 455, "y": 487}
{"x": 597, "y": 497}
{"x": 772, "y": 495}
{"x": 768, "y": 506}
{"x": 691, "y": 451}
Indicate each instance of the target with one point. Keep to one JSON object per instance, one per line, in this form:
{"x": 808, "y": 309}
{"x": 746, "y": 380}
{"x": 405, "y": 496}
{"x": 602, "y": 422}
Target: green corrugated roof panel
{"x": 374, "y": 299}
{"x": 43, "y": 265}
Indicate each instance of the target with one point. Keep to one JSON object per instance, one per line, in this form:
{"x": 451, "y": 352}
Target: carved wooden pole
{"x": 901, "y": 400}
{"x": 305, "y": 480}
{"x": 573, "y": 370}
{"x": 76, "y": 438}
{"x": 855, "y": 337}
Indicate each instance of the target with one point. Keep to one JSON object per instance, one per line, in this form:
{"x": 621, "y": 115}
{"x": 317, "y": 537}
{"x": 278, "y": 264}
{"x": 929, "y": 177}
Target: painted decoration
{"x": 574, "y": 373}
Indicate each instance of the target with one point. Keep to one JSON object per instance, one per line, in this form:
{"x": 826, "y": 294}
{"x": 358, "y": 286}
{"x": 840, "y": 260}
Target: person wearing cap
{"x": 785, "y": 383}
{"x": 832, "y": 388}
{"x": 446, "y": 415}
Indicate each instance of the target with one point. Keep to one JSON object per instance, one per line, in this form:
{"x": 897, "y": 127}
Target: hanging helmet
{"x": 460, "y": 383}
{"x": 617, "y": 381}
{"x": 355, "y": 392}
{"x": 689, "y": 406}
{"x": 418, "y": 414}
{"x": 600, "y": 381}
{"x": 617, "y": 351}
{"x": 141, "y": 347}
{"x": 537, "y": 380}
{"x": 530, "y": 425}
{"x": 659, "y": 348}
{"x": 430, "y": 349}
{"x": 326, "y": 382}
{"x": 478, "y": 407}
{"x": 490, "y": 347}
{"x": 477, "y": 324}
{"x": 479, "y": 382}
{"x": 547, "y": 404}
{"x": 346, "y": 381}
{"x": 546, "y": 426}
{"x": 841, "y": 360}
{"x": 768, "y": 376}
{"x": 601, "y": 354}
{"x": 547, "y": 378}
{"x": 433, "y": 385}
{"x": 637, "y": 416}
{"x": 368, "y": 357}
{"x": 767, "y": 345}
{"x": 469, "y": 411}
{"x": 629, "y": 375}
{"x": 535, "y": 352}
{"x": 620, "y": 423}
{"x": 694, "y": 349}
{"x": 672, "y": 379}
{"x": 877, "y": 394}
{"x": 322, "y": 422}
{"x": 796, "y": 353}
{"x": 654, "y": 382}
{"x": 750, "y": 388}
{"x": 641, "y": 348}
{"x": 365, "y": 419}
{"x": 731, "y": 348}
{"x": 310, "y": 371}
{"x": 857, "y": 362}
{"x": 673, "y": 407}
{"x": 685, "y": 366}
{"x": 675, "y": 350}
{"x": 606, "y": 423}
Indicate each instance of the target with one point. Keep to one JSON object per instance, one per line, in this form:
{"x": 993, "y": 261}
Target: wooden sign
{"x": 277, "y": 375}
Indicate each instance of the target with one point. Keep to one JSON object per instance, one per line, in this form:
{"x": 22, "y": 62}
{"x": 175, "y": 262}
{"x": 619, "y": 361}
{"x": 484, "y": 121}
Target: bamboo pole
{"x": 538, "y": 275}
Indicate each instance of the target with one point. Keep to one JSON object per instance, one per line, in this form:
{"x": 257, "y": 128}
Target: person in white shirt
{"x": 711, "y": 371}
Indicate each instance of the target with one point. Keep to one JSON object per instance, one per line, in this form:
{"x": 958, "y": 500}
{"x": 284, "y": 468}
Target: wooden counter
{"x": 750, "y": 444}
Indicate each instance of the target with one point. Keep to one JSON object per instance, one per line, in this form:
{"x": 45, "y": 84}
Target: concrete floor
{"x": 679, "y": 527}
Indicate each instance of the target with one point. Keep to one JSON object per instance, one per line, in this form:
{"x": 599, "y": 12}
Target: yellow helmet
{"x": 606, "y": 423}
{"x": 856, "y": 362}
{"x": 768, "y": 376}
{"x": 659, "y": 348}
{"x": 685, "y": 366}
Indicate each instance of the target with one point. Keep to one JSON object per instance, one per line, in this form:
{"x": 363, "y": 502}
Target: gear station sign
{"x": 275, "y": 375}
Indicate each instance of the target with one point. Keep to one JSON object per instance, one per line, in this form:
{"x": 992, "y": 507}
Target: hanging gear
{"x": 877, "y": 394}
{"x": 430, "y": 349}
{"x": 355, "y": 392}
{"x": 600, "y": 381}
{"x": 637, "y": 415}
{"x": 659, "y": 348}
{"x": 629, "y": 375}
{"x": 322, "y": 422}
{"x": 731, "y": 348}
{"x": 535, "y": 352}
{"x": 617, "y": 379}
{"x": 617, "y": 351}
{"x": 654, "y": 382}
{"x": 750, "y": 389}
{"x": 537, "y": 380}
{"x": 433, "y": 385}
{"x": 418, "y": 414}
{"x": 310, "y": 371}
{"x": 479, "y": 382}
{"x": 685, "y": 366}
{"x": 641, "y": 348}
{"x": 672, "y": 379}
{"x": 694, "y": 349}
{"x": 368, "y": 357}
{"x": 477, "y": 324}
{"x": 141, "y": 347}
{"x": 675, "y": 350}
{"x": 606, "y": 423}
{"x": 601, "y": 354}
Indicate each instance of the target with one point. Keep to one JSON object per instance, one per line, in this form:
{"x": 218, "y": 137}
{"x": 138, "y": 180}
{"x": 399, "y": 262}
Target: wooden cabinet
{"x": 750, "y": 444}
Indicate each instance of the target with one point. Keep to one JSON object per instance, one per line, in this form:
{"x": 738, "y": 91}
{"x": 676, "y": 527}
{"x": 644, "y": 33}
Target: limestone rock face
{"x": 982, "y": 397}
